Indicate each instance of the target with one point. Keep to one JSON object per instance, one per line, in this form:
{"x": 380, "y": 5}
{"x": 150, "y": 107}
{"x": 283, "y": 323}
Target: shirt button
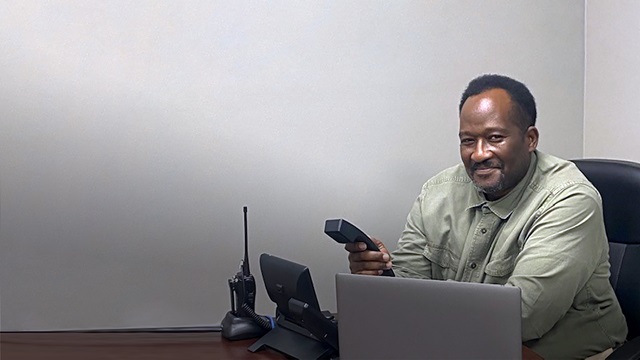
{"x": 483, "y": 230}
{"x": 473, "y": 265}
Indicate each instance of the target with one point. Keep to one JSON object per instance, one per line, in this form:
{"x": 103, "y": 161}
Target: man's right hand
{"x": 367, "y": 262}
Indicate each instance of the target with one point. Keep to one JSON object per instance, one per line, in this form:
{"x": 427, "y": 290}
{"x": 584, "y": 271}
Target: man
{"x": 512, "y": 215}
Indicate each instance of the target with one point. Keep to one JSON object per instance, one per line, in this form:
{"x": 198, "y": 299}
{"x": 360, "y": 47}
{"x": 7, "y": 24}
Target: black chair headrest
{"x": 618, "y": 182}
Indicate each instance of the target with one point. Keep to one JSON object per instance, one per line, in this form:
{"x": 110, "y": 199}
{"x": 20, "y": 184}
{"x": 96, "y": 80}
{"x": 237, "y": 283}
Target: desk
{"x": 124, "y": 346}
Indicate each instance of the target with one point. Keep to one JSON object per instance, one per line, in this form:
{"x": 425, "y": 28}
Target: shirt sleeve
{"x": 564, "y": 244}
{"x": 408, "y": 259}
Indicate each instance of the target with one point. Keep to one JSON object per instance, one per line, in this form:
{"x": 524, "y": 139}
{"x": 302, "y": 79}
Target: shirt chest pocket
{"x": 500, "y": 268}
{"x": 444, "y": 262}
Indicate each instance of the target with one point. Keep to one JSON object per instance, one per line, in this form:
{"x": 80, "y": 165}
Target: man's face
{"x": 494, "y": 149}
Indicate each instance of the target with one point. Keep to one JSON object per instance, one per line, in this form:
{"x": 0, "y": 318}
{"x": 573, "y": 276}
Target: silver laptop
{"x": 383, "y": 317}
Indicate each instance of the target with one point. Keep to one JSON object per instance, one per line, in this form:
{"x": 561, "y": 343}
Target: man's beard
{"x": 499, "y": 186}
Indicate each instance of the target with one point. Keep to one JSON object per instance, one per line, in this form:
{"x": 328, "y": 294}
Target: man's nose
{"x": 481, "y": 152}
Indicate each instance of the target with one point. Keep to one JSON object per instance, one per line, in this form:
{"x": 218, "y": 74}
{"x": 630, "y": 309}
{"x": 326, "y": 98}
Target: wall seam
{"x": 584, "y": 84}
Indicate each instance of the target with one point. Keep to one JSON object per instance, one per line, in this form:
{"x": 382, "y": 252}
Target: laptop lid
{"x": 400, "y": 318}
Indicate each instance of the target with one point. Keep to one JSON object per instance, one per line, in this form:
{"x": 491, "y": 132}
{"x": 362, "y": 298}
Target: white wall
{"x": 132, "y": 133}
{"x": 612, "y": 109}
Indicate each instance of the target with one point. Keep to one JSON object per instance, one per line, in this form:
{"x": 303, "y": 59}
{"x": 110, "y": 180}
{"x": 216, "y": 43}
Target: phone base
{"x": 293, "y": 344}
{"x": 240, "y": 328}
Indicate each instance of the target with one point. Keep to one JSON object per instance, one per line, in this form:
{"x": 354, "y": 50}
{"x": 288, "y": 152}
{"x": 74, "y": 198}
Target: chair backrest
{"x": 619, "y": 185}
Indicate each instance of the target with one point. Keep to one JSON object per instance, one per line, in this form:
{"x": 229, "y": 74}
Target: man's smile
{"x": 485, "y": 168}
{"x": 484, "y": 171}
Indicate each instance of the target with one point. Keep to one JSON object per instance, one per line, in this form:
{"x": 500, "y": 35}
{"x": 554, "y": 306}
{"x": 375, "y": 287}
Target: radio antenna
{"x": 245, "y": 263}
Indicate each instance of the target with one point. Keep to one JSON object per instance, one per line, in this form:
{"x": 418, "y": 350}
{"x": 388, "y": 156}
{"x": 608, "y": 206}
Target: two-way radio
{"x": 243, "y": 285}
{"x": 242, "y": 322}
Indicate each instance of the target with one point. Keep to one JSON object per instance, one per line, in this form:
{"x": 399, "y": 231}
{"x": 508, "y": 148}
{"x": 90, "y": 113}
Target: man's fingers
{"x": 369, "y": 256}
{"x": 366, "y": 262}
{"x": 355, "y": 247}
{"x": 367, "y": 268}
{"x": 380, "y": 245}
{"x": 368, "y": 272}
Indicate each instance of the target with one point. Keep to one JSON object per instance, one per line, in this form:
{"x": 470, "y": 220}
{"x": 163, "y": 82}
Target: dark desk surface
{"x": 123, "y": 346}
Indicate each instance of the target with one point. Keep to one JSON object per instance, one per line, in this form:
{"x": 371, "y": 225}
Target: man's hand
{"x": 367, "y": 262}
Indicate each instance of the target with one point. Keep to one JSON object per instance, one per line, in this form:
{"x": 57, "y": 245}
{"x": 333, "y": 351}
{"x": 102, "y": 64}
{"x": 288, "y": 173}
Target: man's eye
{"x": 466, "y": 141}
{"x": 496, "y": 137}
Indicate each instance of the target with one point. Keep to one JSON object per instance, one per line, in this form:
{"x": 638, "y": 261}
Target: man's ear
{"x": 531, "y": 137}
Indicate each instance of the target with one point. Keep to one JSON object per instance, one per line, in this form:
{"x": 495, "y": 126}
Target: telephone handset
{"x": 344, "y": 232}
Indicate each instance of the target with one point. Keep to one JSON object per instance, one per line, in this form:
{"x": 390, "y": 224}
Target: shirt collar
{"x": 504, "y": 206}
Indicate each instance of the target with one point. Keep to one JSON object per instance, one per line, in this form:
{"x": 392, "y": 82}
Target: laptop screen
{"x": 383, "y": 317}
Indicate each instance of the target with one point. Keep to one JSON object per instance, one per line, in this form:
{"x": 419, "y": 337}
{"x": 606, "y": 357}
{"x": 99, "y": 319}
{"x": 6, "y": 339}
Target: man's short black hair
{"x": 523, "y": 102}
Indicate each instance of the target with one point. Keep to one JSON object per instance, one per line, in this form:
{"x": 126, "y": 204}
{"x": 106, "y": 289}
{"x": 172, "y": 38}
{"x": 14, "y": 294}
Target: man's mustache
{"x": 486, "y": 165}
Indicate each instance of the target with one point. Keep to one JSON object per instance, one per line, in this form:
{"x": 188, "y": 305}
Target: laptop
{"x": 383, "y": 317}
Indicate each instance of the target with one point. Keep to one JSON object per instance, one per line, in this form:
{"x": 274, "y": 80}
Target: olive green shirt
{"x": 546, "y": 236}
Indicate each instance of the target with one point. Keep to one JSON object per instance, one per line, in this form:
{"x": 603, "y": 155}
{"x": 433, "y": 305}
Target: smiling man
{"x": 512, "y": 215}
{"x": 496, "y": 151}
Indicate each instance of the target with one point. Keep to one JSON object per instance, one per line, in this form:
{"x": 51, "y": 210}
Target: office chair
{"x": 619, "y": 185}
